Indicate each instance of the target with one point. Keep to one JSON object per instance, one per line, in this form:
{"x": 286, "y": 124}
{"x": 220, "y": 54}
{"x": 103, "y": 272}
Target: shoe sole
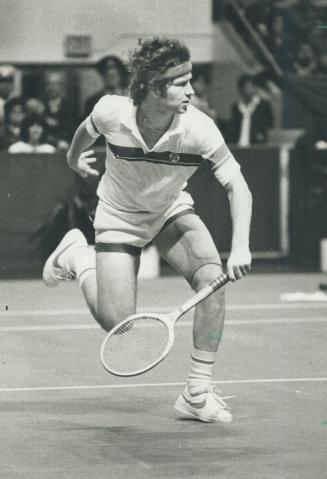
{"x": 183, "y": 411}
{"x": 70, "y": 238}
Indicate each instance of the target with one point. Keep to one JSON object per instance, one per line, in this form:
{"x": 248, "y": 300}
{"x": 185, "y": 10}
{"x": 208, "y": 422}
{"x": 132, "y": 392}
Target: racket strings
{"x": 136, "y": 345}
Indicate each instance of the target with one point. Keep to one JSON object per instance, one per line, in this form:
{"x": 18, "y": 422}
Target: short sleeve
{"x": 214, "y": 149}
{"x": 103, "y": 117}
{"x": 211, "y": 138}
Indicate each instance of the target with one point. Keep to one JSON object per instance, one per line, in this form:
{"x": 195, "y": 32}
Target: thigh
{"x": 116, "y": 286}
{"x": 187, "y": 245}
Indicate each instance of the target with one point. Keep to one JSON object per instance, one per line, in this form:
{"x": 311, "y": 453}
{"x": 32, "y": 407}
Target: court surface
{"x": 64, "y": 417}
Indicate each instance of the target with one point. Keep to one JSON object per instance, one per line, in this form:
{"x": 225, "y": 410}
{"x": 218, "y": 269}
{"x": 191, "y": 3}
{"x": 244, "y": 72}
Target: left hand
{"x": 239, "y": 263}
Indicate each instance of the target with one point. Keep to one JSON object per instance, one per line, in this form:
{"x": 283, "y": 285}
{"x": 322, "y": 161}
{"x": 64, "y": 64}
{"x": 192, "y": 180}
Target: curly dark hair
{"x": 154, "y": 56}
{"x": 30, "y": 120}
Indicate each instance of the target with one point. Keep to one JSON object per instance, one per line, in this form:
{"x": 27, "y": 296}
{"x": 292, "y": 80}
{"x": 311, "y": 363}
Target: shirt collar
{"x": 128, "y": 118}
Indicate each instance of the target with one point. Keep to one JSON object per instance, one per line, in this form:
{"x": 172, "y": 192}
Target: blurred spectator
{"x": 114, "y": 76}
{"x": 34, "y": 105}
{"x": 268, "y": 90}
{"x": 304, "y": 62}
{"x": 259, "y": 14}
{"x": 281, "y": 40}
{"x": 58, "y": 112}
{"x": 33, "y": 136}
{"x": 304, "y": 16}
{"x": 251, "y": 116}
{"x": 200, "y": 84}
{"x": 7, "y": 76}
{"x": 14, "y": 115}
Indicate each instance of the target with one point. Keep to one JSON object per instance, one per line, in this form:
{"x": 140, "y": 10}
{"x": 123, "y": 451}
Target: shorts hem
{"x": 118, "y": 248}
{"x": 177, "y": 215}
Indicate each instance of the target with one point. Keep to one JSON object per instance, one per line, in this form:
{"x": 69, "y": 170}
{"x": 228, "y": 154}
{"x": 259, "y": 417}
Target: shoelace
{"x": 64, "y": 274}
{"x": 214, "y": 390}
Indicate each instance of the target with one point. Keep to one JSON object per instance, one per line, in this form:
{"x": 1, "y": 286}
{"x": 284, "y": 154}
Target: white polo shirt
{"x": 141, "y": 179}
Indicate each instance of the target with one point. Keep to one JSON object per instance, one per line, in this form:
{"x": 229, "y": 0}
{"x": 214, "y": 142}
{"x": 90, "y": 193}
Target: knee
{"x": 205, "y": 275}
{"x": 107, "y": 320}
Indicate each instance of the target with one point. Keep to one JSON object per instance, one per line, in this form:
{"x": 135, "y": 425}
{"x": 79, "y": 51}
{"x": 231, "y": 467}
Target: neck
{"x": 155, "y": 115}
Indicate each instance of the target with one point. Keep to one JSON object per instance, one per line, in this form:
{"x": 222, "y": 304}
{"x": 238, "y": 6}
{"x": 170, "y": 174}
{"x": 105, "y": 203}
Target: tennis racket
{"x": 140, "y": 342}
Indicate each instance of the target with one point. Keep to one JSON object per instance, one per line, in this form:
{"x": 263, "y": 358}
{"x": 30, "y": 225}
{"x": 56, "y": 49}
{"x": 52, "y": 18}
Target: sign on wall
{"x": 77, "y": 46}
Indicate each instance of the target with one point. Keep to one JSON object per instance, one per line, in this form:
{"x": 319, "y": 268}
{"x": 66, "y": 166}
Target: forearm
{"x": 240, "y": 199}
{"x": 80, "y": 142}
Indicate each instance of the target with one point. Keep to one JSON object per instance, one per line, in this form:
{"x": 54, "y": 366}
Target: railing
{"x": 235, "y": 14}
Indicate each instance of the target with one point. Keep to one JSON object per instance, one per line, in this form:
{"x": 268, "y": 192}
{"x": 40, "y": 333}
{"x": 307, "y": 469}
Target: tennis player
{"x": 155, "y": 141}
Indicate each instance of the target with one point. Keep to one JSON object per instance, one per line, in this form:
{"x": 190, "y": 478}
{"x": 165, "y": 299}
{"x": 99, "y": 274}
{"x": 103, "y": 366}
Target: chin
{"x": 183, "y": 108}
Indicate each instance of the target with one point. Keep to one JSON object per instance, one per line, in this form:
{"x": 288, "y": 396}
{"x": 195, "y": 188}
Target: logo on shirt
{"x": 174, "y": 157}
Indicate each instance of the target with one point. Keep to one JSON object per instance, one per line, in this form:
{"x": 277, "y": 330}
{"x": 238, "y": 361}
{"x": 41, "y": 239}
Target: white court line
{"x": 158, "y": 385}
{"x": 165, "y": 309}
{"x": 182, "y": 323}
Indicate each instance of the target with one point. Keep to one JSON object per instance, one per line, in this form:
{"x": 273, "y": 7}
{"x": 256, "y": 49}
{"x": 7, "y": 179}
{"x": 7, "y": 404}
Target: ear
{"x": 153, "y": 90}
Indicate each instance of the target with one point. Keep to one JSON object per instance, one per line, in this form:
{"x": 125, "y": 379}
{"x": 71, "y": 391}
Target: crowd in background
{"x": 294, "y": 32}
{"x": 45, "y": 124}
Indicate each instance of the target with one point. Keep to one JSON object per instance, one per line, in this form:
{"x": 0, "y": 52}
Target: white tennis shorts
{"x": 135, "y": 229}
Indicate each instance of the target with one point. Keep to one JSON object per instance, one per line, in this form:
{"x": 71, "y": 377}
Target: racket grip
{"x": 219, "y": 282}
{"x": 202, "y": 294}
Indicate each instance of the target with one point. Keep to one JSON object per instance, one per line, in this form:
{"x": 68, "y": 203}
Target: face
{"x": 54, "y": 85}
{"x": 16, "y": 115}
{"x": 178, "y": 94}
{"x": 112, "y": 78}
{"x": 33, "y": 105}
{"x": 6, "y": 87}
{"x": 35, "y": 133}
{"x": 248, "y": 89}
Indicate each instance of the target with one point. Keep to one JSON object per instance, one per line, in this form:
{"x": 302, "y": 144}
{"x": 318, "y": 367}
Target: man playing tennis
{"x": 155, "y": 141}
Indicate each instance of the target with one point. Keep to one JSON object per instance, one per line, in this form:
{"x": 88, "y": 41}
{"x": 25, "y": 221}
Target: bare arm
{"x": 240, "y": 200}
{"x": 79, "y": 159}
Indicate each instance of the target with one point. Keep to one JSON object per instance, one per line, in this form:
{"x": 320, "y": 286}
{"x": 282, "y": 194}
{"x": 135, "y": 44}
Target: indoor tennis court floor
{"x": 64, "y": 417}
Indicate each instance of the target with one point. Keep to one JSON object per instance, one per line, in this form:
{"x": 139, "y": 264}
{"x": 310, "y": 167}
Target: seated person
{"x": 251, "y": 116}
{"x": 10, "y": 129}
{"x": 58, "y": 114}
{"x": 304, "y": 62}
{"x": 34, "y": 105}
{"x": 33, "y": 137}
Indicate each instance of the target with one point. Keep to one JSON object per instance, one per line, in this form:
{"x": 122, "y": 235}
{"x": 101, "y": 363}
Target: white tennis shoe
{"x": 212, "y": 409}
{"x": 53, "y": 272}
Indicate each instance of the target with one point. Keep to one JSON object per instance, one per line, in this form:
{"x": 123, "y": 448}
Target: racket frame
{"x": 169, "y": 320}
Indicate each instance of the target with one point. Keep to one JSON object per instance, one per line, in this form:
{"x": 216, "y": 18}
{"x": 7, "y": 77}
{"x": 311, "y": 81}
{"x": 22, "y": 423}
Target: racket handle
{"x": 219, "y": 282}
{"x": 203, "y": 294}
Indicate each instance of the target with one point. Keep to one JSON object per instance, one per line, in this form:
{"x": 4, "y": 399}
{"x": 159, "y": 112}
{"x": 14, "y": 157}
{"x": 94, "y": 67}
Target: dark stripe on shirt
{"x": 163, "y": 157}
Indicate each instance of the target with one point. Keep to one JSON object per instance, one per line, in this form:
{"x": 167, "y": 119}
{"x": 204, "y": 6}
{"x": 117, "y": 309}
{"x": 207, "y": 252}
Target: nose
{"x": 189, "y": 90}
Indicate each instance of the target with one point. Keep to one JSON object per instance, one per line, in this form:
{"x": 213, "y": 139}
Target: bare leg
{"x": 210, "y": 314}
{"x": 110, "y": 290}
{"x": 187, "y": 245}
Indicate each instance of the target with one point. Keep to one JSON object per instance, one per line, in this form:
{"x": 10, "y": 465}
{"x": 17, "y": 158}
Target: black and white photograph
{"x": 163, "y": 239}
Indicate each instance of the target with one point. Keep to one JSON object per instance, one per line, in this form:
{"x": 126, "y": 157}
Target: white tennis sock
{"x": 82, "y": 262}
{"x": 199, "y": 378}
